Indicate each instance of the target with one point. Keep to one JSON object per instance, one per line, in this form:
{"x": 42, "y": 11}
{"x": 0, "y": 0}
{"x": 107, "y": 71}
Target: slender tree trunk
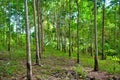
{"x": 64, "y": 32}
{"x": 3, "y": 39}
{"x": 87, "y": 39}
{"x": 96, "y": 43}
{"x": 9, "y": 27}
{"x": 64, "y": 40}
{"x": 72, "y": 41}
{"x": 29, "y": 63}
{"x": 57, "y": 29}
{"x": 103, "y": 21}
{"x": 115, "y": 31}
{"x": 58, "y": 36}
{"x": 42, "y": 31}
{"x": 16, "y": 26}
{"x": 78, "y": 36}
{"x": 21, "y": 38}
{"x": 70, "y": 14}
{"x": 17, "y": 23}
{"x": 36, "y": 35}
{"x": 39, "y": 30}
{"x": 91, "y": 39}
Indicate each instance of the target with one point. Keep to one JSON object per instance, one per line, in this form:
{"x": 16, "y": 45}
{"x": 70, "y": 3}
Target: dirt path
{"x": 59, "y": 68}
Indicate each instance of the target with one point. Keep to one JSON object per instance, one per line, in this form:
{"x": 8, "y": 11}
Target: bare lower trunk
{"x": 64, "y": 40}
{"x": 29, "y": 64}
{"x": 39, "y": 29}
{"x": 103, "y": 56}
{"x": 72, "y": 42}
{"x": 58, "y": 37}
{"x": 70, "y": 51}
{"x": 96, "y": 43}
{"x": 36, "y": 35}
{"x": 9, "y": 34}
{"x": 91, "y": 39}
{"x": 115, "y": 33}
{"x": 42, "y": 32}
{"x": 64, "y": 32}
{"x": 78, "y": 36}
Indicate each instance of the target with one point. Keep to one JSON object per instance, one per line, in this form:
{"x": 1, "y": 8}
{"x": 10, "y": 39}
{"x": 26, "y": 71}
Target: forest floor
{"x": 55, "y": 66}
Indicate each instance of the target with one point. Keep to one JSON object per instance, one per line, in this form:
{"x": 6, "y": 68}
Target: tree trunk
{"x": 58, "y": 36}
{"x": 36, "y": 35}
{"x": 96, "y": 43}
{"x": 64, "y": 40}
{"x": 39, "y": 30}
{"x": 42, "y": 32}
{"x": 57, "y": 30}
{"x": 70, "y": 14}
{"x": 29, "y": 64}
{"x": 115, "y": 31}
{"x": 9, "y": 34}
{"x": 103, "y": 21}
{"x": 16, "y": 16}
{"x": 78, "y": 36}
{"x": 64, "y": 32}
{"x": 91, "y": 39}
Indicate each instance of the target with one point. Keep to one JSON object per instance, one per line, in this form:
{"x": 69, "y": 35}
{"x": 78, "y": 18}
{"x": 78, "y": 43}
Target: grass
{"x": 79, "y": 69}
{"x": 110, "y": 66}
{"x": 11, "y": 62}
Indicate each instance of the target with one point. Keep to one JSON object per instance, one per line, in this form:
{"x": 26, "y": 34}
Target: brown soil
{"x": 57, "y": 68}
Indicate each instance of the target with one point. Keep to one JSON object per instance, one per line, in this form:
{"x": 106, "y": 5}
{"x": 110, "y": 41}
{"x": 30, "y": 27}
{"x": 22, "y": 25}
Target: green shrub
{"x": 111, "y": 52}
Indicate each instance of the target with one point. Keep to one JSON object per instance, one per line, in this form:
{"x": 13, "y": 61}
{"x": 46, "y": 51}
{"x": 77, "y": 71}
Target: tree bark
{"x": 39, "y": 29}
{"x": 96, "y": 43}
{"x": 58, "y": 36}
{"x": 70, "y": 14}
{"x": 115, "y": 31}
{"x": 36, "y": 35}
{"x": 103, "y": 22}
{"x": 78, "y": 36}
{"x": 29, "y": 63}
{"x": 42, "y": 30}
{"x": 9, "y": 27}
{"x": 91, "y": 39}
{"x": 57, "y": 29}
{"x": 64, "y": 32}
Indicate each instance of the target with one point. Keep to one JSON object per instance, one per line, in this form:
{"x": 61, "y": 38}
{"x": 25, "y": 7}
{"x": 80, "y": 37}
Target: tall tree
{"x": 96, "y": 43}
{"x": 36, "y": 35}
{"x": 91, "y": 36}
{"x": 9, "y": 27}
{"x": 29, "y": 63}
{"x": 64, "y": 32}
{"x": 39, "y": 30}
{"x": 78, "y": 38}
{"x": 70, "y": 15}
{"x": 42, "y": 30}
{"x": 103, "y": 22}
{"x": 115, "y": 31}
{"x": 57, "y": 25}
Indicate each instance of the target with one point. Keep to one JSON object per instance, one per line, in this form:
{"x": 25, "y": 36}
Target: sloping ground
{"x": 56, "y": 68}
{"x": 99, "y": 75}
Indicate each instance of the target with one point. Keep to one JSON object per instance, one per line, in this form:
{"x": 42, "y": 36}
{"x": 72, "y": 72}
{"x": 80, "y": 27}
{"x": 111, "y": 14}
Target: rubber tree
{"x": 103, "y": 30}
{"x": 69, "y": 24}
{"x": 9, "y": 27}
{"x": 39, "y": 29}
{"x": 41, "y": 26}
{"x": 78, "y": 36}
{"x": 64, "y": 32}
{"x": 95, "y": 32}
{"x": 29, "y": 63}
{"x": 36, "y": 35}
